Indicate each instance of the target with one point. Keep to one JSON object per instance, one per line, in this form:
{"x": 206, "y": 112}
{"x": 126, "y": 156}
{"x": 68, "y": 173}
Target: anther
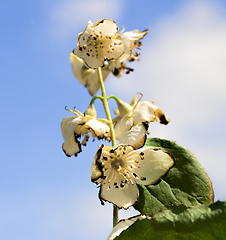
{"x": 135, "y": 175}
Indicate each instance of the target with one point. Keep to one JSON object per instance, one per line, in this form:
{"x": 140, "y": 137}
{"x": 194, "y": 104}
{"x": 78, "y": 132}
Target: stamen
{"x": 135, "y": 175}
{"x": 141, "y": 155}
{"x": 141, "y": 95}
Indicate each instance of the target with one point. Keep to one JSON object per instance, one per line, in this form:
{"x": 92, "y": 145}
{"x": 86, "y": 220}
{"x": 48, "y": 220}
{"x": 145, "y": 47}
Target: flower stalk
{"x": 112, "y": 132}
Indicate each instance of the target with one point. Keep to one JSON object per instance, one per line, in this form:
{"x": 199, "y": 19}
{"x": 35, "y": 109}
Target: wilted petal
{"x": 71, "y": 145}
{"x": 150, "y": 164}
{"x": 144, "y": 112}
{"x": 90, "y": 59}
{"x": 123, "y": 225}
{"x": 96, "y": 169}
{"x": 100, "y": 130}
{"x": 107, "y": 27}
{"x": 136, "y": 136}
{"x": 123, "y": 126}
{"x": 160, "y": 116}
{"x": 133, "y": 36}
{"x": 121, "y": 197}
{"x": 87, "y": 76}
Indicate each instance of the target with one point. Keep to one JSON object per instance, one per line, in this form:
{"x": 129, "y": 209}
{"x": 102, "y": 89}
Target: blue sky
{"x": 44, "y": 194}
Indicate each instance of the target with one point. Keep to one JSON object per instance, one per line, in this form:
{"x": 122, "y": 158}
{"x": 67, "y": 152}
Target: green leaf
{"x": 182, "y": 223}
{"x": 186, "y": 183}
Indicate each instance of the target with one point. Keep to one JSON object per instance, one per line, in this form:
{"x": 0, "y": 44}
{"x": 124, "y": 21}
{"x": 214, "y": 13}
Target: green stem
{"x": 94, "y": 98}
{"x": 106, "y": 107}
{"x": 112, "y": 131}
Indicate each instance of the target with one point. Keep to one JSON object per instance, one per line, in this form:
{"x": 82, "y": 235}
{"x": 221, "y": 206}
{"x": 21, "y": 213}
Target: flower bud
{"x": 91, "y": 111}
{"x": 124, "y": 108}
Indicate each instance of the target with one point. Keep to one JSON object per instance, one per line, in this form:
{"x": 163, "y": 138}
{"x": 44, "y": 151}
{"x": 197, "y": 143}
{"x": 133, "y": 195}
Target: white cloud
{"x": 183, "y": 69}
{"x": 69, "y": 17}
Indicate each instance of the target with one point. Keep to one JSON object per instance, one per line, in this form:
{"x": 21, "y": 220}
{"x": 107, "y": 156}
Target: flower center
{"x": 96, "y": 44}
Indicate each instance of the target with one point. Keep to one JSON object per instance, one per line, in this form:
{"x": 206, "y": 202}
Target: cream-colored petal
{"x": 106, "y": 27}
{"x": 145, "y": 111}
{"x": 72, "y": 146}
{"x": 133, "y": 36}
{"x": 122, "y": 196}
{"x": 125, "y": 56}
{"x": 87, "y": 76}
{"x": 93, "y": 82}
{"x": 113, "y": 49}
{"x": 123, "y": 225}
{"x": 68, "y": 125}
{"x": 96, "y": 172}
{"x": 101, "y": 130}
{"x": 90, "y": 59}
{"x": 123, "y": 126}
{"x": 148, "y": 165}
{"x": 136, "y": 136}
{"x": 79, "y": 70}
{"x": 83, "y": 37}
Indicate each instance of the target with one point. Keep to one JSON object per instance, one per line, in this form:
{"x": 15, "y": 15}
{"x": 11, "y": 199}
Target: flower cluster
{"x": 117, "y": 170}
{"x": 100, "y": 45}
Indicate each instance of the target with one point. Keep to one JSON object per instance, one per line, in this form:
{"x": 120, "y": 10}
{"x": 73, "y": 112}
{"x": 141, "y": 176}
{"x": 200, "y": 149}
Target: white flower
{"x": 73, "y": 127}
{"x": 134, "y": 113}
{"x": 131, "y": 40}
{"x": 120, "y": 168}
{"x": 87, "y": 76}
{"x": 98, "y": 43}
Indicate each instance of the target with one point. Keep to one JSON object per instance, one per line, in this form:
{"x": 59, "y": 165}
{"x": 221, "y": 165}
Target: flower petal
{"x": 148, "y": 165}
{"x": 107, "y": 27}
{"x": 136, "y": 136}
{"x": 70, "y": 146}
{"x": 133, "y": 36}
{"x": 123, "y": 225}
{"x": 145, "y": 111}
{"x": 99, "y": 130}
{"x": 124, "y": 196}
{"x": 83, "y": 37}
{"x": 90, "y": 59}
{"x": 123, "y": 126}
{"x": 68, "y": 125}
{"x": 96, "y": 169}
{"x": 160, "y": 116}
{"x": 87, "y": 76}
{"x": 113, "y": 49}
